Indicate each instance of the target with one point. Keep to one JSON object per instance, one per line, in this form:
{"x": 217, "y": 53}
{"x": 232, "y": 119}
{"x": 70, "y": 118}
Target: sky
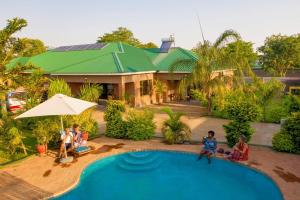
{"x": 70, "y": 22}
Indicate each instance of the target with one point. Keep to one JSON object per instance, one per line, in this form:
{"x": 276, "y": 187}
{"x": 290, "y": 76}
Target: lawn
{"x": 29, "y": 141}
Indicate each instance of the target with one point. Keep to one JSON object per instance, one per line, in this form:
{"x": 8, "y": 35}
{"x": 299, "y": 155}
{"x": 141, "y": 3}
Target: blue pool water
{"x": 163, "y": 175}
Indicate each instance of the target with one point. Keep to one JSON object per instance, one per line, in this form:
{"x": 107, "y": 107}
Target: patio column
{"x": 121, "y": 90}
{"x": 137, "y": 93}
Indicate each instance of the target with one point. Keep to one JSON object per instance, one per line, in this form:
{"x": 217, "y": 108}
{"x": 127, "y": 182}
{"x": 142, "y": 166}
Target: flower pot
{"x": 85, "y": 136}
{"x": 41, "y": 149}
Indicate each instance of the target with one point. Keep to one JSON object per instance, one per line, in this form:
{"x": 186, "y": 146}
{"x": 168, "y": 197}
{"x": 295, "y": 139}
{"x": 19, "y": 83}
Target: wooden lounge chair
{"x": 82, "y": 150}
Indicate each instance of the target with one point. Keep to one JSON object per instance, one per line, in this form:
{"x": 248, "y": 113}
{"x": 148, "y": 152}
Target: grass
{"x": 29, "y": 141}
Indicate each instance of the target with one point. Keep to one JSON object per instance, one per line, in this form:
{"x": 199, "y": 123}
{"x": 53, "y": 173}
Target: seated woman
{"x": 77, "y": 135}
{"x": 240, "y": 150}
{"x": 67, "y": 142}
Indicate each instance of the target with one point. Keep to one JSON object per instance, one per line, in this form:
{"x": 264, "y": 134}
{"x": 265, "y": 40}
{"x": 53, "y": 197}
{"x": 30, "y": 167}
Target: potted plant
{"x": 44, "y": 132}
{"x": 40, "y": 134}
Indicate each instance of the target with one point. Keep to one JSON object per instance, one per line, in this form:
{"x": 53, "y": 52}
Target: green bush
{"x": 292, "y": 127}
{"x": 235, "y": 129}
{"x": 241, "y": 112}
{"x": 173, "y": 129}
{"x": 294, "y": 103}
{"x": 90, "y": 92}
{"x": 59, "y": 86}
{"x": 288, "y": 139}
{"x": 47, "y": 130}
{"x": 140, "y": 125}
{"x": 275, "y": 112}
{"x": 115, "y": 126}
{"x": 283, "y": 142}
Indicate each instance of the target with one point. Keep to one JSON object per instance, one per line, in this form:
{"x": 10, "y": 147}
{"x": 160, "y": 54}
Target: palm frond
{"x": 225, "y": 37}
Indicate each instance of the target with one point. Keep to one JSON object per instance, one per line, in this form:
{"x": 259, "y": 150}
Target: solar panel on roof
{"x": 80, "y": 47}
{"x": 165, "y": 46}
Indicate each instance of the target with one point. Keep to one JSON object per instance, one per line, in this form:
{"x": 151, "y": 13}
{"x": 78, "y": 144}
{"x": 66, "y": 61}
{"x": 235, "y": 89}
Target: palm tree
{"x": 173, "y": 129}
{"x": 206, "y": 75}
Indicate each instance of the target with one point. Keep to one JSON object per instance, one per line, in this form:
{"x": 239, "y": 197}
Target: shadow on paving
{"x": 12, "y": 187}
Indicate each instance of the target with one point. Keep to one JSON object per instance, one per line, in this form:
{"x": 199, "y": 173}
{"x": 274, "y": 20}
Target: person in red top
{"x": 240, "y": 150}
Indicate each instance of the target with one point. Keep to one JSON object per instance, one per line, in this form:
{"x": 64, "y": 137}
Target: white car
{"x": 15, "y": 101}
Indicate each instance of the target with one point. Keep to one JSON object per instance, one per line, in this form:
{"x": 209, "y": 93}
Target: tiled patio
{"x": 38, "y": 177}
{"x": 200, "y": 125}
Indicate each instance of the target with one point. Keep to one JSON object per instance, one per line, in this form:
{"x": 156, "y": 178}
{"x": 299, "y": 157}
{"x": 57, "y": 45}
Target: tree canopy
{"x": 125, "y": 35}
{"x": 243, "y": 57}
{"x": 212, "y": 57}
{"x": 30, "y": 47}
{"x": 280, "y": 53}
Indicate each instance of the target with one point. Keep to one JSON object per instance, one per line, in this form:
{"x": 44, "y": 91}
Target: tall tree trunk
{"x": 209, "y": 105}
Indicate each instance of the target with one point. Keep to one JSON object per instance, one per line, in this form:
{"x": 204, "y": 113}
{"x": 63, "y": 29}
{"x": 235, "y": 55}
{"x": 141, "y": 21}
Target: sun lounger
{"x": 79, "y": 151}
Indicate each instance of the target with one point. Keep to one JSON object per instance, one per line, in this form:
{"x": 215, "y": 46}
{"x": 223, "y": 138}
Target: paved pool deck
{"x": 41, "y": 177}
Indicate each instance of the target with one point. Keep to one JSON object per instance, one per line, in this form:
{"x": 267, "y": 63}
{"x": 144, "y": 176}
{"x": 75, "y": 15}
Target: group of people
{"x": 240, "y": 150}
{"x": 72, "y": 138}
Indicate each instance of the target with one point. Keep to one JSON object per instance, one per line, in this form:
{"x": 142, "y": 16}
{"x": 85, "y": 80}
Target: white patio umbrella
{"x": 59, "y": 105}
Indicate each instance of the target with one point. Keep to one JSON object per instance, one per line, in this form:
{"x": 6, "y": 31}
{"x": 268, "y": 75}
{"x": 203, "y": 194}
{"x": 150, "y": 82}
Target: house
{"x": 123, "y": 71}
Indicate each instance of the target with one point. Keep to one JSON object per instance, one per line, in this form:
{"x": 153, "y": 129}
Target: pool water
{"x": 163, "y": 175}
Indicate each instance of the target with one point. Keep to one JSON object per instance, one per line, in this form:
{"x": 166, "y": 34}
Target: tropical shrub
{"x": 15, "y": 140}
{"x": 85, "y": 121}
{"x": 283, "y": 142}
{"x": 294, "y": 103}
{"x": 11, "y": 135}
{"x": 241, "y": 113}
{"x": 199, "y": 96}
{"x": 276, "y": 111}
{"x": 59, "y": 86}
{"x": 140, "y": 125}
{"x": 90, "y": 92}
{"x": 173, "y": 129}
{"x": 159, "y": 88}
{"x": 288, "y": 139}
{"x": 115, "y": 126}
{"x": 266, "y": 91}
{"x": 47, "y": 130}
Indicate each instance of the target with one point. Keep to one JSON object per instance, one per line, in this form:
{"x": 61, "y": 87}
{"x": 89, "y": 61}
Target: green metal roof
{"x": 114, "y": 57}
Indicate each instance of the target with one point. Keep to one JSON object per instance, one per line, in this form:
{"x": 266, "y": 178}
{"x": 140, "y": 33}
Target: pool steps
{"x": 141, "y": 161}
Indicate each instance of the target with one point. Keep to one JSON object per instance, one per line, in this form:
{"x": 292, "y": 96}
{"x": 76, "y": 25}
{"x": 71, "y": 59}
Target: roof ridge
{"x": 118, "y": 62}
{"x": 186, "y": 52}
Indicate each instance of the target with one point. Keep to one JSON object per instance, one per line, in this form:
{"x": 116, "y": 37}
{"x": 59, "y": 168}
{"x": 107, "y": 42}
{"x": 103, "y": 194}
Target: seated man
{"x": 67, "y": 142}
{"x": 210, "y": 146}
{"x": 240, "y": 150}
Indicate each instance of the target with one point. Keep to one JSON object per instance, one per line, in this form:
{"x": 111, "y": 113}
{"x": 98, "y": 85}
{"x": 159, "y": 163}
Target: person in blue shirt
{"x": 210, "y": 146}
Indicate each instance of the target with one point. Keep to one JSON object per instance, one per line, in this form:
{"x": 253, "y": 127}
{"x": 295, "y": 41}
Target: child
{"x": 210, "y": 146}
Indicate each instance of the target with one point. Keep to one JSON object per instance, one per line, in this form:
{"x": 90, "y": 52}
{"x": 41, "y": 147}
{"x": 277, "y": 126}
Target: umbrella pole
{"x": 62, "y": 129}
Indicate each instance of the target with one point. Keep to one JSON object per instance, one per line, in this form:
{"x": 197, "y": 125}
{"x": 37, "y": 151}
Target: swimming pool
{"x": 163, "y": 175}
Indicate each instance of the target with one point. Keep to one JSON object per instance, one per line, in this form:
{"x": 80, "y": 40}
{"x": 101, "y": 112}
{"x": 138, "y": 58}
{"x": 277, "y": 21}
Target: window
{"x": 146, "y": 87}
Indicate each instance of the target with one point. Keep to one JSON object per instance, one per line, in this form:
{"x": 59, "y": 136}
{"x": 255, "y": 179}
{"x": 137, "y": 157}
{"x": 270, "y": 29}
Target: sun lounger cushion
{"x": 82, "y": 149}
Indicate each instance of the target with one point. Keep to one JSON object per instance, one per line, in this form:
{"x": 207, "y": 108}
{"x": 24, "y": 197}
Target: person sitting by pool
{"x": 240, "y": 150}
{"x": 67, "y": 142}
{"x": 77, "y": 135}
{"x": 210, "y": 146}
